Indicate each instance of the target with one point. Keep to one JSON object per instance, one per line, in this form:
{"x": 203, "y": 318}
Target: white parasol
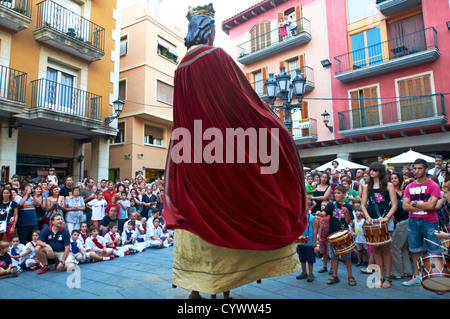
{"x": 409, "y": 157}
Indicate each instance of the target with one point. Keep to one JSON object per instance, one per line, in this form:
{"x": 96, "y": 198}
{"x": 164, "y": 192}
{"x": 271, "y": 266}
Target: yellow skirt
{"x": 200, "y": 266}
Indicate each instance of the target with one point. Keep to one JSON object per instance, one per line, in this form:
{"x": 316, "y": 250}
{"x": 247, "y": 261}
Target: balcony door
{"x": 417, "y": 102}
{"x": 59, "y": 91}
{"x": 366, "y": 48}
{"x": 260, "y": 36}
{"x": 364, "y": 106}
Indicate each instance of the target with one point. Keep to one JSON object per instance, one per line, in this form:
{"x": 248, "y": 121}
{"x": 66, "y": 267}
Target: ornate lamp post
{"x": 288, "y": 89}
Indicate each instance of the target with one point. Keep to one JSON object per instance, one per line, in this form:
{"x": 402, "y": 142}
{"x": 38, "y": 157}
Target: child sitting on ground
{"x": 96, "y": 246}
{"x": 6, "y": 268}
{"x": 77, "y": 247}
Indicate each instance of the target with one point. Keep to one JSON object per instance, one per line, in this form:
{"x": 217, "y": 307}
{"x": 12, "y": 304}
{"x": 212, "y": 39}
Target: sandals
{"x": 322, "y": 270}
{"x": 351, "y": 281}
{"x": 333, "y": 280}
{"x": 387, "y": 282}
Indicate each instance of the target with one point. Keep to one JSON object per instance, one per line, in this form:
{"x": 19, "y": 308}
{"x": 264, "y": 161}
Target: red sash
{"x": 113, "y": 238}
{"x": 84, "y": 236}
{"x": 96, "y": 242}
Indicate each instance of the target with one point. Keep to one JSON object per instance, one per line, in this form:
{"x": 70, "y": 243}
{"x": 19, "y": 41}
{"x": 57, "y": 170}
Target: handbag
{"x": 4, "y": 223}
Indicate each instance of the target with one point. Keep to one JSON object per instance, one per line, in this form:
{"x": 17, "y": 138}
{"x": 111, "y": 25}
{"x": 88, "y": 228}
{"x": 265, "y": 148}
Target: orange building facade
{"x": 150, "y": 52}
{"x": 59, "y": 77}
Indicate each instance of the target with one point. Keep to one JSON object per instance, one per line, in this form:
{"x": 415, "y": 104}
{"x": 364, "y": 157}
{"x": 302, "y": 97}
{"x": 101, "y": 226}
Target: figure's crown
{"x": 206, "y": 10}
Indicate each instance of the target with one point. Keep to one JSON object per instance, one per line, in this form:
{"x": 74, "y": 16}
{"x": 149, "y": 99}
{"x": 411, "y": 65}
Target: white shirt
{"x": 98, "y": 208}
{"x": 91, "y": 245}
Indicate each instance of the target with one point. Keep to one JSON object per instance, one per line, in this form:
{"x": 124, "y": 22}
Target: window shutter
{"x": 264, "y": 78}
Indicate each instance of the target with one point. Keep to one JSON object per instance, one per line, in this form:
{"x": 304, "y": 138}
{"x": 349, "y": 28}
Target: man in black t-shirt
{"x": 341, "y": 217}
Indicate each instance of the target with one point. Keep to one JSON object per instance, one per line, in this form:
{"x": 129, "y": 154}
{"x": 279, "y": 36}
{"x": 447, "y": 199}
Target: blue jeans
{"x": 419, "y": 230}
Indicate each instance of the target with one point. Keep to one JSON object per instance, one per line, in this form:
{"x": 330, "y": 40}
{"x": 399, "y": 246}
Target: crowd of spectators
{"x": 411, "y": 202}
{"x": 66, "y": 223}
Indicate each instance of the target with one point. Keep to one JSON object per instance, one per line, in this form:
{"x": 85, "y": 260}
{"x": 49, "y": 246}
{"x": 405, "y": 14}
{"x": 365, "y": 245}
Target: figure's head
{"x": 201, "y": 29}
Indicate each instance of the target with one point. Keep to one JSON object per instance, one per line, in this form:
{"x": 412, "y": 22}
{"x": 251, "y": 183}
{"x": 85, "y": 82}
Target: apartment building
{"x": 378, "y": 66}
{"x": 150, "y": 50}
{"x": 58, "y": 79}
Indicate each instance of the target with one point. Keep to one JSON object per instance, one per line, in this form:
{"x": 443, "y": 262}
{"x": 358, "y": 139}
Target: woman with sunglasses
{"x": 378, "y": 208}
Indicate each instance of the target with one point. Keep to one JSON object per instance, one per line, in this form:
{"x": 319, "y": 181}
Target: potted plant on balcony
{"x": 71, "y": 32}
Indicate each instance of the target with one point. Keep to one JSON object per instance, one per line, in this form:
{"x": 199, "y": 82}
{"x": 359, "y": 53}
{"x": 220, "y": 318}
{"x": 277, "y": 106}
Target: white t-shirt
{"x": 98, "y": 208}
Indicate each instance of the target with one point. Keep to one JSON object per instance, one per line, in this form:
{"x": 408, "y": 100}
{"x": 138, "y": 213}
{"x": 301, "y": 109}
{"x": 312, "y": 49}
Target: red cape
{"x": 227, "y": 204}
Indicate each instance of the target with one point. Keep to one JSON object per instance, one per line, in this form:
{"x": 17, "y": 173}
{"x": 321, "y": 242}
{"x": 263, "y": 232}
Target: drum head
{"x": 338, "y": 234}
{"x": 437, "y": 283}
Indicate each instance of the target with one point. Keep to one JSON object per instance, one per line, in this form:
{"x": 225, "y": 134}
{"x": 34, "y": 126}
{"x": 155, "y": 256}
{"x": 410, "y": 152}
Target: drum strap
{"x": 336, "y": 210}
{"x": 375, "y": 205}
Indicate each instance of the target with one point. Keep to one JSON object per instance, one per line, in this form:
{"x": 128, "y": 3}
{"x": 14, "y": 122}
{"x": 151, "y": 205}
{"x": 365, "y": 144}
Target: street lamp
{"x": 326, "y": 120}
{"x": 118, "y": 108}
{"x": 288, "y": 88}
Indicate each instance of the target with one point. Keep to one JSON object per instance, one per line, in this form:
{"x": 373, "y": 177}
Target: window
{"x": 407, "y": 36}
{"x": 412, "y": 108}
{"x": 60, "y": 90}
{"x": 361, "y": 9}
{"x": 120, "y": 137}
{"x": 164, "y": 92}
{"x": 123, "y": 90}
{"x": 364, "y": 107}
{"x": 153, "y": 135}
{"x": 123, "y": 45}
{"x": 366, "y": 48}
{"x": 260, "y": 36}
{"x": 167, "y": 50}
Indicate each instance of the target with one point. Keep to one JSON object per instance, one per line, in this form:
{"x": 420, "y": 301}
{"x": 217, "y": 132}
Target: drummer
{"x": 341, "y": 217}
{"x": 420, "y": 200}
{"x": 378, "y": 208}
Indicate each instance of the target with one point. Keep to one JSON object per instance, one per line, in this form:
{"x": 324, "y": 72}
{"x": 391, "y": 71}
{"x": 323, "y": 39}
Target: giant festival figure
{"x": 235, "y": 219}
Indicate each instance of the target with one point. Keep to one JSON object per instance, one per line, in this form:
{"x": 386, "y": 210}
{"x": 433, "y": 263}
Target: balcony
{"x": 65, "y": 111}
{"x": 15, "y": 14}
{"x": 12, "y": 91}
{"x": 65, "y": 30}
{"x": 390, "y": 7}
{"x": 399, "y": 53}
{"x": 270, "y": 43}
{"x": 411, "y": 112}
{"x": 260, "y": 88}
{"x": 306, "y": 131}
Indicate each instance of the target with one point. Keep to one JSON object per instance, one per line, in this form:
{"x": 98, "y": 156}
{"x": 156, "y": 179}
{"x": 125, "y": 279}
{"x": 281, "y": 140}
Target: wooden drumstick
{"x": 436, "y": 244}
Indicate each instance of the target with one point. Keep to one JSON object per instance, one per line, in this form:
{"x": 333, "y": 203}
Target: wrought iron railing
{"x": 21, "y": 6}
{"x": 52, "y": 15}
{"x": 402, "y": 110}
{"x": 267, "y": 39}
{"x": 66, "y": 99}
{"x": 12, "y": 84}
{"x": 388, "y": 50}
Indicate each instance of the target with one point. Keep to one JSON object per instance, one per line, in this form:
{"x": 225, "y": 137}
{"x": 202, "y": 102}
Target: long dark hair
{"x": 199, "y": 30}
{"x": 2, "y": 191}
{"x": 383, "y": 177}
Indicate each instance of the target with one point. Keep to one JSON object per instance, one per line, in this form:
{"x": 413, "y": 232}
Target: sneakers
{"x": 412, "y": 282}
{"x": 43, "y": 269}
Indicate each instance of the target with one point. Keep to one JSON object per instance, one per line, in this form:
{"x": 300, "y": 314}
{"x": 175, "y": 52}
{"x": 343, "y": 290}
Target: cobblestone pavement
{"x": 148, "y": 275}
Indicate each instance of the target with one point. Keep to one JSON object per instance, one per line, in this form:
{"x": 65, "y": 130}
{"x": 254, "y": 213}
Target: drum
{"x": 342, "y": 242}
{"x": 377, "y": 234}
{"x": 302, "y": 240}
{"x": 434, "y": 272}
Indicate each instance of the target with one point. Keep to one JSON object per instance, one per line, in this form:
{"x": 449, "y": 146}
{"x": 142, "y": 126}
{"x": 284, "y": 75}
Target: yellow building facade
{"x": 59, "y": 64}
{"x": 150, "y": 52}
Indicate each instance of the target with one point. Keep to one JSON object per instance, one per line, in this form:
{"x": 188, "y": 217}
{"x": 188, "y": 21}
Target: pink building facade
{"x": 385, "y": 89}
